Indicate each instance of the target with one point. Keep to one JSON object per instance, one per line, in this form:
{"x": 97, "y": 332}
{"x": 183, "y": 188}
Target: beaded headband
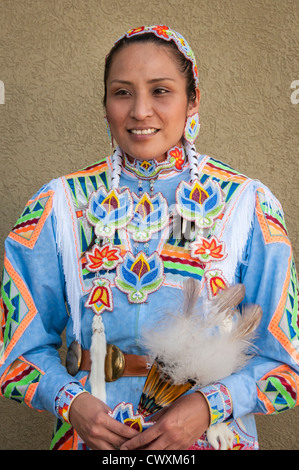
{"x": 164, "y": 32}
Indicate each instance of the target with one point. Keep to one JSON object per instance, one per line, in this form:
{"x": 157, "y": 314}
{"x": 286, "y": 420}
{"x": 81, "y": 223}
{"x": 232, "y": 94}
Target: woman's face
{"x": 147, "y": 102}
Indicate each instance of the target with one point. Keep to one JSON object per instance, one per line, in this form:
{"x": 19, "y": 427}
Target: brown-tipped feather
{"x": 248, "y": 321}
{"x": 231, "y": 297}
{"x": 191, "y": 289}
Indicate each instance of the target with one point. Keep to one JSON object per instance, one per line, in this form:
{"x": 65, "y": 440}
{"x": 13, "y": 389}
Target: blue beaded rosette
{"x": 201, "y": 203}
{"x": 109, "y": 210}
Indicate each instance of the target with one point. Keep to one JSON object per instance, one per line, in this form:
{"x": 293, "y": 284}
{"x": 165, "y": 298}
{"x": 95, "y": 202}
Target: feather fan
{"x": 204, "y": 343}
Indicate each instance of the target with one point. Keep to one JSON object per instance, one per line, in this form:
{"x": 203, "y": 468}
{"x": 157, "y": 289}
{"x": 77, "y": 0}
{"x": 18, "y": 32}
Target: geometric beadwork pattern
{"x": 17, "y": 309}
{"x": 289, "y": 322}
{"x": 219, "y": 402}
{"x": 271, "y": 220}
{"x": 228, "y": 178}
{"x": 285, "y": 322}
{"x": 20, "y": 381}
{"x": 32, "y": 219}
{"x": 81, "y": 185}
{"x": 65, "y": 436}
{"x": 278, "y": 390}
{"x": 178, "y": 262}
{"x": 223, "y": 171}
{"x": 86, "y": 181}
{"x": 242, "y": 440}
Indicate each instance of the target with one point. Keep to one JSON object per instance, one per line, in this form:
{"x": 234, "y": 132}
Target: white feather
{"x": 198, "y": 345}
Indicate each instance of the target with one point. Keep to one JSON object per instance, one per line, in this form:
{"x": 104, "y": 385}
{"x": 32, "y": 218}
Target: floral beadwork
{"x": 200, "y": 203}
{"x": 179, "y": 157}
{"x": 139, "y": 276}
{"x": 150, "y": 216}
{"x": 147, "y": 170}
{"x": 100, "y": 297}
{"x": 216, "y": 282}
{"x": 192, "y": 128}
{"x": 106, "y": 257}
{"x": 208, "y": 249}
{"x": 108, "y": 211}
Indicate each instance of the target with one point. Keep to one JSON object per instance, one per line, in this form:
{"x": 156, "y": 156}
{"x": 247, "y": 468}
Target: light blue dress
{"x": 45, "y": 286}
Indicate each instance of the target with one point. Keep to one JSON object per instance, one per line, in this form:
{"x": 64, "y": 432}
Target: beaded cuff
{"x": 219, "y": 401}
{"x": 65, "y": 398}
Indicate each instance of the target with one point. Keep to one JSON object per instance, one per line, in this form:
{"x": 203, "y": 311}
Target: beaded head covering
{"x": 167, "y": 34}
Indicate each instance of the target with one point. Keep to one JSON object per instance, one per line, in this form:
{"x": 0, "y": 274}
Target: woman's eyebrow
{"x": 123, "y": 82}
{"x": 161, "y": 79}
{"x": 153, "y": 80}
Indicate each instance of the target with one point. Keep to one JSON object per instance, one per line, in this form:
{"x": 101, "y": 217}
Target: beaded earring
{"x": 192, "y": 128}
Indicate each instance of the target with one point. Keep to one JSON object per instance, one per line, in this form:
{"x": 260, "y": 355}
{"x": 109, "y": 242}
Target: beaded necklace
{"x": 139, "y": 273}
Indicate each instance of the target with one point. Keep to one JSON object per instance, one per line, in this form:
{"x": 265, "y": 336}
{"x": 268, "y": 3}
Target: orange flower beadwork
{"x": 106, "y": 257}
{"x": 178, "y": 155}
{"x": 208, "y": 249}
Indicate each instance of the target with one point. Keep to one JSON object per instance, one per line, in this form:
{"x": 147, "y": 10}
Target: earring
{"x": 109, "y": 132}
{"x": 192, "y": 127}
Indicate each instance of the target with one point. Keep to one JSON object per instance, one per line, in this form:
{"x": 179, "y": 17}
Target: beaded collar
{"x": 149, "y": 170}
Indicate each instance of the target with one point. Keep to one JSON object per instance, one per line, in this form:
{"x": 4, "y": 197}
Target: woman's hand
{"x": 176, "y": 427}
{"x": 89, "y": 416}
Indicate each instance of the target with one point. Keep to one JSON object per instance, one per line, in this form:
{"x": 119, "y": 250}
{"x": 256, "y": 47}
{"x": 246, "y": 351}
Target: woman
{"x": 103, "y": 241}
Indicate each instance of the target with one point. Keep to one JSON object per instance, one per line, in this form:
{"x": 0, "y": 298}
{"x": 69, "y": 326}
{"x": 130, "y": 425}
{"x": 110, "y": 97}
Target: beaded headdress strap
{"x": 164, "y": 32}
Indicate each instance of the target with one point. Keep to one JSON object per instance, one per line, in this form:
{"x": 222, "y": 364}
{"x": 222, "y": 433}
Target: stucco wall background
{"x": 51, "y": 123}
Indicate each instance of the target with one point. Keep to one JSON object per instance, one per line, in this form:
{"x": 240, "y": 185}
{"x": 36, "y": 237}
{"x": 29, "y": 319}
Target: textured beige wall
{"x": 51, "y": 64}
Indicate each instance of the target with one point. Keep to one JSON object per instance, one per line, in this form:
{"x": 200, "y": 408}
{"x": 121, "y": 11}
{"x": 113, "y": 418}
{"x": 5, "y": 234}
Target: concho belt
{"x": 117, "y": 363}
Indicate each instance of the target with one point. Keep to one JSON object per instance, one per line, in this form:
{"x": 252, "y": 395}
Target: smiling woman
{"x": 177, "y": 271}
{"x": 146, "y": 100}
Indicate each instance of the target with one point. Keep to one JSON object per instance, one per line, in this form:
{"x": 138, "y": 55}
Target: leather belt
{"x": 118, "y": 364}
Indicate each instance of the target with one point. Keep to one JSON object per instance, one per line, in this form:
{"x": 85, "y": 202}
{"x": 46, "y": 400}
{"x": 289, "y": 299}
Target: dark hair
{"x": 184, "y": 64}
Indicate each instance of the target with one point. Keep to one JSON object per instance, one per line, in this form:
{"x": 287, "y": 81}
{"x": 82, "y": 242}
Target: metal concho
{"x": 114, "y": 363}
{"x": 73, "y": 358}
